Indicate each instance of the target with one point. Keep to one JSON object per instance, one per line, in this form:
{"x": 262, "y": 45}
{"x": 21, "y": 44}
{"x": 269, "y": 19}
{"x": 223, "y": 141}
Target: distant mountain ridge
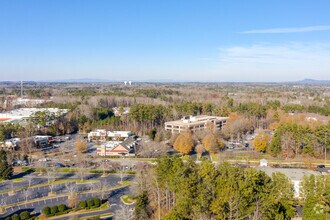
{"x": 313, "y": 81}
{"x": 82, "y": 80}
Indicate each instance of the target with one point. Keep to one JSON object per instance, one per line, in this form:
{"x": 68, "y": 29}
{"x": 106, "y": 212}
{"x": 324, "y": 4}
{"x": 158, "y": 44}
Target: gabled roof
{"x": 115, "y": 149}
{"x": 128, "y": 142}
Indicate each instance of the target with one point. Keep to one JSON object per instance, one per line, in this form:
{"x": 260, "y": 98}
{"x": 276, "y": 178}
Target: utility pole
{"x": 325, "y": 155}
{"x": 21, "y": 89}
{"x": 325, "y": 148}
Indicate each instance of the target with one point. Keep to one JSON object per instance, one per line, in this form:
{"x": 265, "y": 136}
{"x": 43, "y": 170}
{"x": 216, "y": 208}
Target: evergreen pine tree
{"x": 6, "y": 169}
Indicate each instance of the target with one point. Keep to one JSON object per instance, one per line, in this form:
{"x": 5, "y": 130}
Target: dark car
{"x": 321, "y": 166}
{"x": 59, "y": 165}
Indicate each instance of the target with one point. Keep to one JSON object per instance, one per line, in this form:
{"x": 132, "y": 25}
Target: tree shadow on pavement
{"x": 22, "y": 174}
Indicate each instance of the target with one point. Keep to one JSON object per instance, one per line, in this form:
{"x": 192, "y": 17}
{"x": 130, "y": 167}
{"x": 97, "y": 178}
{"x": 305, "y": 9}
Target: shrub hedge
{"x": 63, "y": 209}
{"x": 25, "y": 215}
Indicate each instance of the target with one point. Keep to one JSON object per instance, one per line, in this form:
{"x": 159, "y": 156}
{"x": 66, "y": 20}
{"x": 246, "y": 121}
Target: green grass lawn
{"x": 17, "y": 180}
{"x": 87, "y": 181}
{"x": 127, "y": 199}
{"x": 125, "y": 183}
{"x": 62, "y": 181}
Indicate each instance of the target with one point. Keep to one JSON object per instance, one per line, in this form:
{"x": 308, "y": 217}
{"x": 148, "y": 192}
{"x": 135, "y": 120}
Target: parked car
{"x": 17, "y": 162}
{"x": 44, "y": 159}
{"x": 59, "y": 165}
{"x": 59, "y": 141}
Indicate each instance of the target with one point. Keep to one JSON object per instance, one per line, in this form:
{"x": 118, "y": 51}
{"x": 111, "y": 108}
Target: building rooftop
{"x": 21, "y": 113}
{"x": 191, "y": 120}
{"x": 291, "y": 173}
{"x": 127, "y": 143}
{"x": 111, "y": 144}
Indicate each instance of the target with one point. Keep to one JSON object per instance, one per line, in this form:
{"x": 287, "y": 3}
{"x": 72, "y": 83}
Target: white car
{"x": 43, "y": 160}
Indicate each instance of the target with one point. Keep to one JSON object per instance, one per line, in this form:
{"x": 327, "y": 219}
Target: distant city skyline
{"x": 221, "y": 41}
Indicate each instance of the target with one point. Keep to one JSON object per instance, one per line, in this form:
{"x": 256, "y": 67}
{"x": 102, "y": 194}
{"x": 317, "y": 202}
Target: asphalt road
{"x": 35, "y": 179}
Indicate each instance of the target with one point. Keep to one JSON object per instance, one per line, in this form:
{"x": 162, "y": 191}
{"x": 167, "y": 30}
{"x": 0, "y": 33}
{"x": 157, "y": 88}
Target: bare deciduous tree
{"x": 81, "y": 172}
{"x": 287, "y": 145}
{"x": 124, "y": 213}
{"x": 80, "y": 145}
{"x": 101, "y": 188}
{"x": 152, "y": 149}
{"x": 82, "y": 162}
{"x": 140, "y": 178}
{"x": 199, "y": 150}
{"x": 29, "y": 178}
{"x": 105, "y": 166}
{"x": 27, "y": 147}
{"x": 73, "y": 200}
{"x": 26, "y": 193}
{"x": 51, "y": 177}
{"x": 71, "y": 188}
{"x": 3, "y": 203}
{"x": 122, "y": 173}
{"x": 26, "y": 143}
{"x": 40, "y": 167}
{"x": 12, "y": 188}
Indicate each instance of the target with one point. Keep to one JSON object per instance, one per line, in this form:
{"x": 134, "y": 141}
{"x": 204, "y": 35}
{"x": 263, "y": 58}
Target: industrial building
{"x": 23, "y": 114}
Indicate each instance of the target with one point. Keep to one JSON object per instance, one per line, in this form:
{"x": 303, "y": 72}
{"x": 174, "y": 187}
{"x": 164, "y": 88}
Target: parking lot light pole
{"x": 325, "y": 148}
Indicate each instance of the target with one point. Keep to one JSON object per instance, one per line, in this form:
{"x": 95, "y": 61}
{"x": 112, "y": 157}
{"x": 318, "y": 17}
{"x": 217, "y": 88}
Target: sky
{"x": 179, "y": 40}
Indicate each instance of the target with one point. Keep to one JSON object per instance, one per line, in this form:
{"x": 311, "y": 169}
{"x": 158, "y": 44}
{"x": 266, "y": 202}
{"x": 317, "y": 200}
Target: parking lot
{"x": 35, "y": 197}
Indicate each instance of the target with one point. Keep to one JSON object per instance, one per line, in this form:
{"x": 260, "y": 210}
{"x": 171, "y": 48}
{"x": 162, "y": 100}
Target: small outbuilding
{"x": 264, "y": 163}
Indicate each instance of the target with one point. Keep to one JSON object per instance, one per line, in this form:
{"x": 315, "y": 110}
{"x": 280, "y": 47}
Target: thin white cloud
{"x": 274, "y": 62}
{"x": 288, "y": 30}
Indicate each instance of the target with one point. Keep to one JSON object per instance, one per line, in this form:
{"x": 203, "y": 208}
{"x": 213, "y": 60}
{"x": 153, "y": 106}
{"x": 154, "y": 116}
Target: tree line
{"x": 143, "y": 119}
{"x": 291, "y": 140}
{"x": 176, "y": 189}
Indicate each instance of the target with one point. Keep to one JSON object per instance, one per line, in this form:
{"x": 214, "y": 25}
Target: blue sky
{"x": 219, "y": 40}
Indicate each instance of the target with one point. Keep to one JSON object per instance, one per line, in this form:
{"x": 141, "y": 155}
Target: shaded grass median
{"x": 83, "y": 210}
